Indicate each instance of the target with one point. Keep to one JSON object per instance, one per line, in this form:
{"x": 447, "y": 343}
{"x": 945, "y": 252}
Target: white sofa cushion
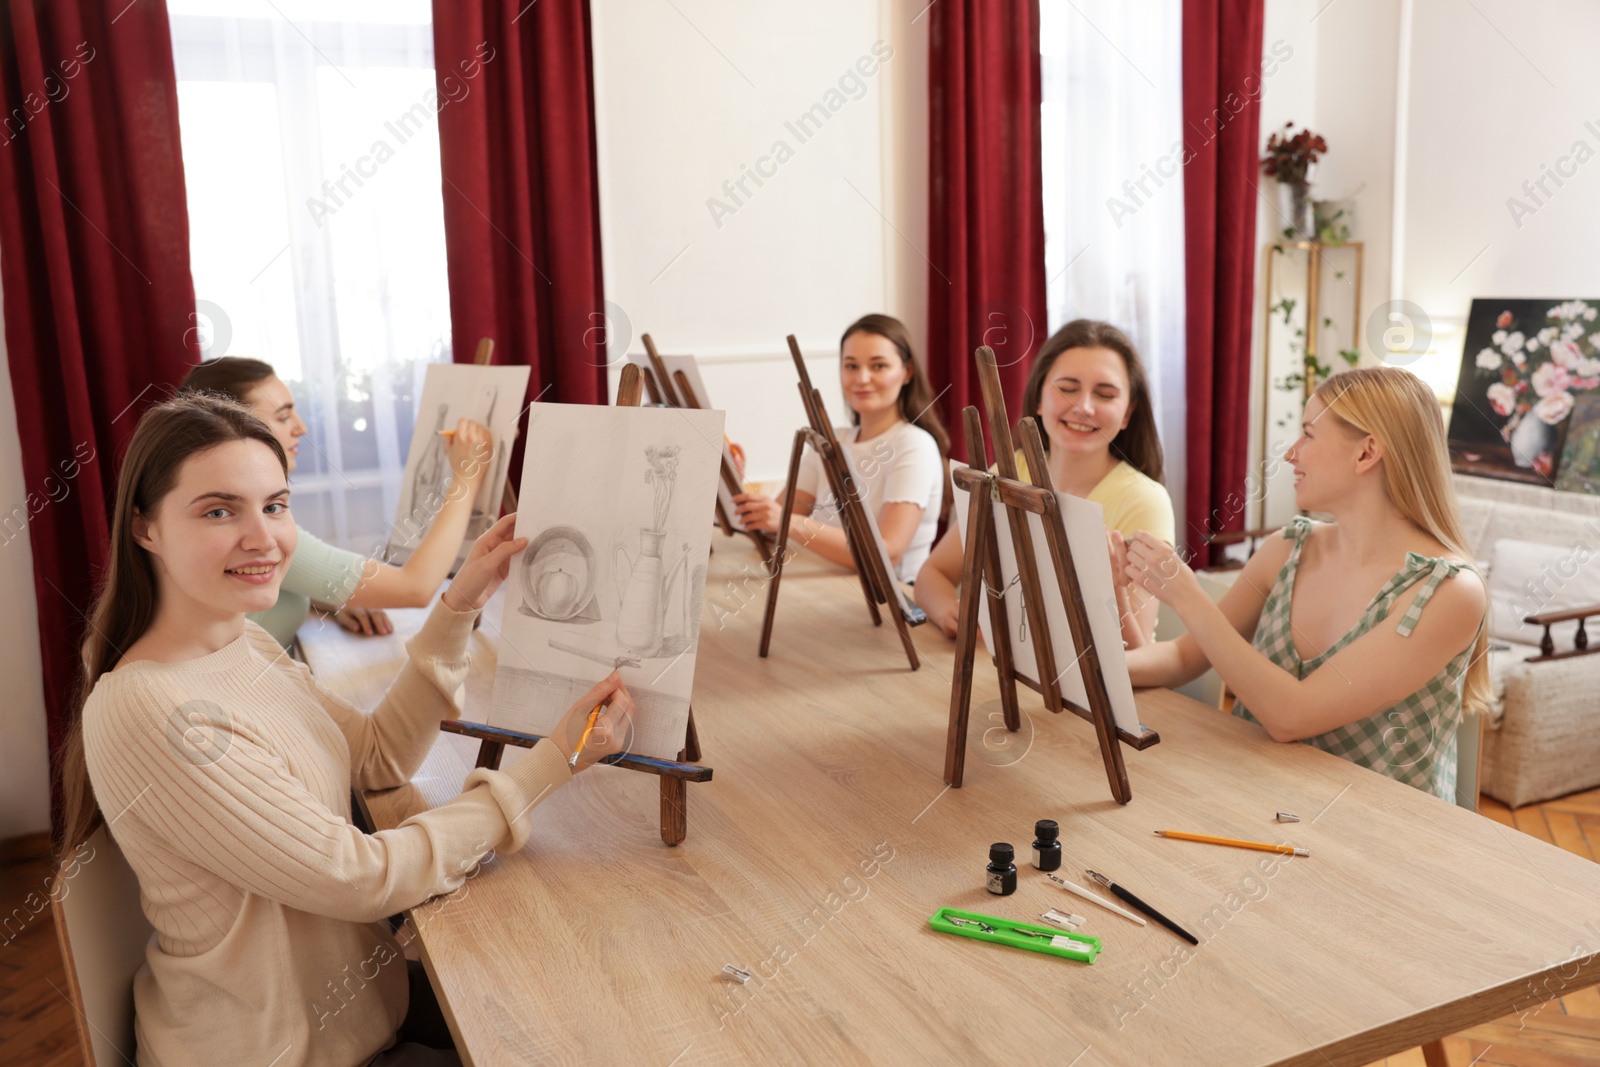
{"x": 1527, "y": 577}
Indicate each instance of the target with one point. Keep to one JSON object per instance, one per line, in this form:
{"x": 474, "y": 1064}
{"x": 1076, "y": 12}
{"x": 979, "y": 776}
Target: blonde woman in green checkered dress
{"x": 1363, "y": 636}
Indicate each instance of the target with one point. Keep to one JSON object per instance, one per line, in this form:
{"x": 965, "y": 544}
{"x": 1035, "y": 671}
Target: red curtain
{"x": 521, "y": 191}
{"x": 1222, "y": 119}
{"x": 986, "y": 281}
{"x": 94, "y": 267}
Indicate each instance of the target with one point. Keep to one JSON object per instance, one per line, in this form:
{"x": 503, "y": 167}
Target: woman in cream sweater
{"x": 224, "y": 770}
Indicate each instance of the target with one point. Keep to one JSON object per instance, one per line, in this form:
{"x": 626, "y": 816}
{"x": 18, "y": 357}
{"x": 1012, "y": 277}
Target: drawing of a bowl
{"x": 558, "y": 573}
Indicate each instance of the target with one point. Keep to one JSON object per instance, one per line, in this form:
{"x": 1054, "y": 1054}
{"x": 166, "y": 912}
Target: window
{"x": 311, "y": 160}
{"x": 1112, "y": 125}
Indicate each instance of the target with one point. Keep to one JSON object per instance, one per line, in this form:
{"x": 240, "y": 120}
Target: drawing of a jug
{"x": 646, "y": 596}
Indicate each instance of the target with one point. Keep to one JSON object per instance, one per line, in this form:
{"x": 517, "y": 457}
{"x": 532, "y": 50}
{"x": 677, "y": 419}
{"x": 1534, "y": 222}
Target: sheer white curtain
{"x": 1112, "y": 124}
{"x": 311, "y": 160}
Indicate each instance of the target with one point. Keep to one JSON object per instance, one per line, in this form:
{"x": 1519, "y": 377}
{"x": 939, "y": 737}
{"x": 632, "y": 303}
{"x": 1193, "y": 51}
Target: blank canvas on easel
{"x": 1084, "y": 521}
{"x": 613, "y": 503}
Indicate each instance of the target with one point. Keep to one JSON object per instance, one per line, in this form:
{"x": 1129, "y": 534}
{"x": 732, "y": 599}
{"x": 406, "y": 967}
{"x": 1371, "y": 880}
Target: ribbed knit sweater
{"x": 226, "y": 782}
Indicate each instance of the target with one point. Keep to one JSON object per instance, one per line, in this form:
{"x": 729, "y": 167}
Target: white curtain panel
{"x": 311, "y": 162}
{"x": 1113, "y": 187}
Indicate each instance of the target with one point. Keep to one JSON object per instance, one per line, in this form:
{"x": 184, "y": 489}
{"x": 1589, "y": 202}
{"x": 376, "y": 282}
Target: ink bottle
{"x": 1046, "y": 849}
{"x": 1002, "y": 872}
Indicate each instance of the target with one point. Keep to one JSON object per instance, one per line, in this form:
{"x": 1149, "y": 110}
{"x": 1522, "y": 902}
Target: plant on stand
{"x": 1290, "y": 159}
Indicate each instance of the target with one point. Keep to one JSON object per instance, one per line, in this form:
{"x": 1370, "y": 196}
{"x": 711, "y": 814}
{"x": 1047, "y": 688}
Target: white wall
{"x": 1499, "y": 93}
{"x": 696, "y": 94}
{"x": 24, "y": 757}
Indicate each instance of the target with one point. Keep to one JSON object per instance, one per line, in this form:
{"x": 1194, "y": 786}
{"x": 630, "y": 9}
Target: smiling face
{"x": 1328, "y": 458}
{"x": 221, "y": 539}
{"x": 273, "y": 404}
{"x": 1086, "y": 401}
{"x": 871, "y": 373}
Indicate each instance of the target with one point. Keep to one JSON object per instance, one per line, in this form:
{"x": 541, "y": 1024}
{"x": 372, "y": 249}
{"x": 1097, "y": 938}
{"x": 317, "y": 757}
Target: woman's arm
{"x": 937, "y": 590}
{"x": 1371, "y": 673}
{"x": 1173, "y": 663}
{"x": 413, "y": 584}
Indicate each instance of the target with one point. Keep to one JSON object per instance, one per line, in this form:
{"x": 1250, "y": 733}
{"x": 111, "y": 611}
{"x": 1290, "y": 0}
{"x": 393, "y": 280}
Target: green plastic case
{"x": 1084, "y": 948}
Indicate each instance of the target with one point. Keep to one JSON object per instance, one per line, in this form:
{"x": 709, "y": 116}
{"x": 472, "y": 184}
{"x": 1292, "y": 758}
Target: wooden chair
{"x": 103, "y": 934}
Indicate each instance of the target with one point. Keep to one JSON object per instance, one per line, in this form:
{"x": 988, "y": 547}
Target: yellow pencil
{"x": 594, "y": 717}
{"x": 1287, "y": 850}
{"x": 447, "y": 434}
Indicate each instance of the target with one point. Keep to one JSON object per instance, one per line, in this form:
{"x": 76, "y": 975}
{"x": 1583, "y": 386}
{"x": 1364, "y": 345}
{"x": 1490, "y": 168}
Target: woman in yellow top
{"x": 1089, "y": 392}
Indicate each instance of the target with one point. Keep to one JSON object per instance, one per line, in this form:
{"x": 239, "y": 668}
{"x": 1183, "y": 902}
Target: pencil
{"x": 594, "y": 717}
{"x": 1287, "y": 850}
{"x": 447, "y": 434}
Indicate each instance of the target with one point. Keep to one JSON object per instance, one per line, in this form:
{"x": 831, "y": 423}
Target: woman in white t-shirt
{"x": 896, "y": 449}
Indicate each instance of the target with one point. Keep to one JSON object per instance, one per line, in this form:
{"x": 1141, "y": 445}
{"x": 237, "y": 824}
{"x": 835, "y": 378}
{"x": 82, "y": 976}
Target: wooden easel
{"x": 876, "y": 582}
{"x": 676, "y": 391}
{"x": 482, "y": 358}
{"x": 675, "y": 774}
{"x": 981, "y": 580}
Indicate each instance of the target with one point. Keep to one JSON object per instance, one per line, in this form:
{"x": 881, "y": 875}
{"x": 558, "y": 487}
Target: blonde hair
{"x": 1395, "y": 406}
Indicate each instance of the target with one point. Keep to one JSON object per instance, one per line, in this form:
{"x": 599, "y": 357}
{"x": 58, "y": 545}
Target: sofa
{"x": 1540, "y": 551}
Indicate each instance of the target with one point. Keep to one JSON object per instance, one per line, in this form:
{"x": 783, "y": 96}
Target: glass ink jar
{"x": 1046, "y": 849}
{"x": 1001, "y": 874}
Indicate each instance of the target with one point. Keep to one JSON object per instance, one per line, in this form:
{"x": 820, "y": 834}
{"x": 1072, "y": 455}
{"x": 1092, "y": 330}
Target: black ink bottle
{"x": 1001, "y": 872}
{"x": 1046, "y": 849}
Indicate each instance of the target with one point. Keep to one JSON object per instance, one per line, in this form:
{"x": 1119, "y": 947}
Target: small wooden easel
{"x": 675, "y": 391}
{"x": 981, "y": 580}
{"x": 675, "y": 775}
{"x": 877, "y": 583}
{"x": 482, "y": 358}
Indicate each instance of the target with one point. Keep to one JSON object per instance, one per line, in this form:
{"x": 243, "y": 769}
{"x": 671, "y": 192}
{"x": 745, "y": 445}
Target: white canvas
{"x": 614, "y": 573}
{"x": 1084, "y": 521}
{"x": 902, "y": 596}
{"x": 451, "y": 392}
{"x": 691, "y": 370}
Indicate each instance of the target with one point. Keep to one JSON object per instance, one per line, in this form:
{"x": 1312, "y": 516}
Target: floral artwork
{"x": 1526, "y": 364}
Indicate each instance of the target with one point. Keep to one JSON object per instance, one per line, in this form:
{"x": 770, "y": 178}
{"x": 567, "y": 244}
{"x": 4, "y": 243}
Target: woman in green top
{"x": 1325, "y": 637}
{"x": 346, "y": 583}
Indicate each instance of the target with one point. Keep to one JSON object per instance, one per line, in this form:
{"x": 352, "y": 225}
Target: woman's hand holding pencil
{"x": 597, "y": 725}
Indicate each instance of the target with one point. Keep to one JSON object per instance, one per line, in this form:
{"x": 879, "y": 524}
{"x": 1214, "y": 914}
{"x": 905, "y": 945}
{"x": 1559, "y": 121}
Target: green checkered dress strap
{"x": 1413, "y": 741}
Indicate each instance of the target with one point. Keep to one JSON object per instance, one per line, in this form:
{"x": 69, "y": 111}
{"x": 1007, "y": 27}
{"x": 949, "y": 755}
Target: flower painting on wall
{"x": 1525, "y": 364}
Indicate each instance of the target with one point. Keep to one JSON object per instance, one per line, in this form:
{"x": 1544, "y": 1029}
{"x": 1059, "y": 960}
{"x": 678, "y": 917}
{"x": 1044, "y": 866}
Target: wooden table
{"x": 828, "y": 838}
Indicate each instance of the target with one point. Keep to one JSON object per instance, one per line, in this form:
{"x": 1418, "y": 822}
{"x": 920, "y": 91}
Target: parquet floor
{"x": 36, "y": 1027}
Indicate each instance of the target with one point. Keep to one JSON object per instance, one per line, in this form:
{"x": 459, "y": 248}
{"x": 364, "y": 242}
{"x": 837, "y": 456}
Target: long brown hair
{"x": 229, "y": 376}
{"x": 1138, "y": 444}
{"x": 1397, "y": 408}
{"x": 168, "y": 435}
{"x": 916, "y": 397}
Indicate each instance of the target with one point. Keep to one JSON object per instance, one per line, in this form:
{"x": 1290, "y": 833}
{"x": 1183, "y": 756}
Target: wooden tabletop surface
{"x": 827, "y": 838}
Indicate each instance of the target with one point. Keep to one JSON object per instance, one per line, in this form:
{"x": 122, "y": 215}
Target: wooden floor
{"x": 36, "y": 1027}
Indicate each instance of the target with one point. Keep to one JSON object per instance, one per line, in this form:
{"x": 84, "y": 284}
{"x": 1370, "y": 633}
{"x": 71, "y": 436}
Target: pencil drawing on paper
{"x": 490, "y": 396}
{"x": 613, "y": 577}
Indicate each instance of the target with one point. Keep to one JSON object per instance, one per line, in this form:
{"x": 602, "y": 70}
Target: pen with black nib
{"x": 1123, "y": 894}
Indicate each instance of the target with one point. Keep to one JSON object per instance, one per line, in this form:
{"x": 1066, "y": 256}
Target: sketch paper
{"x": 691, "y": 370}
{"x": 613, "y": 502}
{"x": 1086, "y": 536}
{"x": 452, "y": 392}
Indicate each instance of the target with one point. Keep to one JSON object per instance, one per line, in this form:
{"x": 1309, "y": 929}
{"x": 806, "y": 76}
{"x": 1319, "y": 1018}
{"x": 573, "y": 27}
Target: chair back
{"x": 1469, "y": 759}
{"x": 104, "y": 934}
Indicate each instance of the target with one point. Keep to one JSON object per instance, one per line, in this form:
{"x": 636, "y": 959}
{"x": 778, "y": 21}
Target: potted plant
{"x": 1290, "y": 159}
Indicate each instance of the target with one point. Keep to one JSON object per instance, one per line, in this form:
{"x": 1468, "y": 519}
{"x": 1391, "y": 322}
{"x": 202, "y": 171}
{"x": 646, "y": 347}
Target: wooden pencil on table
{"x": 1287, "y": 850}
